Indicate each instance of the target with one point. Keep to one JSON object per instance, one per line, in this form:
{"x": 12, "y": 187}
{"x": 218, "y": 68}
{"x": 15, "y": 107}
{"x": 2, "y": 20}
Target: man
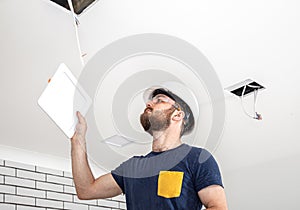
{"x": 173, "y": 176}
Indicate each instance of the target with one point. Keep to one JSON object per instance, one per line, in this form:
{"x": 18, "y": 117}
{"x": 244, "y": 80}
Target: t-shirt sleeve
{"x": 116, "y": 173}
{"x": 124, "y": 171}
{"x": 206, "y": 171}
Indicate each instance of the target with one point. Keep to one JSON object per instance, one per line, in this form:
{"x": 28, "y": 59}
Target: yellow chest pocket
{"x": 169, "y": 183}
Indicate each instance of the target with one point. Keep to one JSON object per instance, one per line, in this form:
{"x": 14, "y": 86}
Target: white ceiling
{"x": 257, "y": 39}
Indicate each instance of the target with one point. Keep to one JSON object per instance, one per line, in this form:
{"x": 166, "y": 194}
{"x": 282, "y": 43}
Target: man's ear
{"x": 178, "y": 115}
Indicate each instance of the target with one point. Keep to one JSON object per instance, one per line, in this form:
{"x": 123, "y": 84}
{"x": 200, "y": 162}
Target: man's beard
{"x": 158, "y": 120}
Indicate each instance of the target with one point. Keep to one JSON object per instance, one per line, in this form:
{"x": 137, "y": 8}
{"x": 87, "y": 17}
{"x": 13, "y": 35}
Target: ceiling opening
{"x": 245, "y": 87}
{"x": 78, "y": 5}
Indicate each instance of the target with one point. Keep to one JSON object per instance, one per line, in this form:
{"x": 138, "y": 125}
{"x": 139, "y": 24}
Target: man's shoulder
{"x": 202, "y": 154}
{"x": 199, "y": 149}
{"x": 196, "y": 149}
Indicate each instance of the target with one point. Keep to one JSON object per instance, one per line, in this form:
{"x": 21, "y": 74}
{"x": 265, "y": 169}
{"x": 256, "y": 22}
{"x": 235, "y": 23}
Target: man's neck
{"x": 163, "y": 141}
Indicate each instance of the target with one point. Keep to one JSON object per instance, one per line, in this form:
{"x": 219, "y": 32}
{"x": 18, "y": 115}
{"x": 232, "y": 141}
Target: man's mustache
{"x": 148, "y": 108}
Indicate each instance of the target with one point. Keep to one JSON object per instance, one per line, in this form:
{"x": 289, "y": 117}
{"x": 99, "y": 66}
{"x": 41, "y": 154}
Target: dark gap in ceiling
{"x": 248, "y": 89}
{"x": 78, "y": 5}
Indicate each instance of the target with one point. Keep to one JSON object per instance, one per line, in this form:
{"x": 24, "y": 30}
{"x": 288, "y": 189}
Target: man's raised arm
{"x": 87, "y": 187}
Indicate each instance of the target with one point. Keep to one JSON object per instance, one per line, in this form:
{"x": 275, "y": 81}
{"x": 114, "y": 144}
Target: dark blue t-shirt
{"x": 167, "y": 180}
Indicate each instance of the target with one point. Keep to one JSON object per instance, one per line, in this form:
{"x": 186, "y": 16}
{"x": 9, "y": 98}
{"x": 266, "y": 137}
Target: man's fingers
{"x": 81, "y": 119}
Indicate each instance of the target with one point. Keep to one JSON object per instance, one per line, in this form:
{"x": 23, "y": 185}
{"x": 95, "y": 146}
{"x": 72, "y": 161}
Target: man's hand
{"x": 81, "y": 128}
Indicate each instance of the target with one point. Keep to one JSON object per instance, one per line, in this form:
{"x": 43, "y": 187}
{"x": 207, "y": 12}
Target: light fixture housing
{"x": 249, "y": 85}
{"x": 78, "y": 5}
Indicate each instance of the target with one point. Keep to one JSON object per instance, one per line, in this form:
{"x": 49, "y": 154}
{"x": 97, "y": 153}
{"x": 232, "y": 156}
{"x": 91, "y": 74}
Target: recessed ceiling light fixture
{"x": 249, "y": 85}
{"x": 245, "y": 88}
{"x": 78, "y": 5}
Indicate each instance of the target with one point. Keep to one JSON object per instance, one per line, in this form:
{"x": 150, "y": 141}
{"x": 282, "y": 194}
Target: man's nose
{"x": 149, "y": 104}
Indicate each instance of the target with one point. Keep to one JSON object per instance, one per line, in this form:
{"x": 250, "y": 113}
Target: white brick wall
{"x": 19, "y": 200}
{"x": 7, "y": 189}
{"x": 119, "y": 198}
{"x": 31, "y": 175}
{"x": 31, "y": 192}
{"x": 68, "y": 189}
{"x": 122, "y": 206}
{"x": 19, "y": 182}
{"x": 27, "y": 187}
{"x": 76, "y": 200}
{"x": 29, "y": 208}
{"x": 108, "y": 203}
{"x": 49, "y": 203}
{"x": 99, "y": 208}
{"x": 76, "y": 206}
{"x": 19, "y": 165}
{"x": 7, "y": 171}
{"x": 49, "y": 171}
{"x": 7, "y": 206}
{"x": 68, "y": 174}
{"x": 1, "y": 197}
{"x": 60, "y": 180}
{"x": 59, "y": 196}
{"x": 49, "y": 186}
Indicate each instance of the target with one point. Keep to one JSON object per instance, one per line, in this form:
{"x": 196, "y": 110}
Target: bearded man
{"x": 173, "y": 175}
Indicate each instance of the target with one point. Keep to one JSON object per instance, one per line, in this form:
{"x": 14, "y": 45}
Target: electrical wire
{"x": 255, "y": 100}
{"x": 256, "y": 115}
{"x": 242, "y": 98}
{"x": 76, "y": 24}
